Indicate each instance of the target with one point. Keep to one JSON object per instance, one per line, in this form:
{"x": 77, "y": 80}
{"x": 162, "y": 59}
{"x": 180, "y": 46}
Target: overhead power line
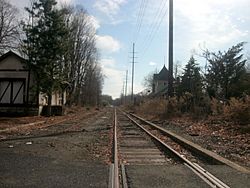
{"x": 155, "y": 25}
{"x": 140, "y": 19}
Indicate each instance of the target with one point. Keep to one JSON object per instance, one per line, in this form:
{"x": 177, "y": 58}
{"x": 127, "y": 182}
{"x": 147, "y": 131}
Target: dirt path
{"x": 79, "y": 157}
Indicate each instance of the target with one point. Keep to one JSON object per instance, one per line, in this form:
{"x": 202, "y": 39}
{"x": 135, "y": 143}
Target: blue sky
{"x": 212, "y": 24}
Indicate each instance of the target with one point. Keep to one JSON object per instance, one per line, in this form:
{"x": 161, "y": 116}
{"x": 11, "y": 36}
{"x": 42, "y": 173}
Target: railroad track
{"x": 146, "y": 144}
{"x": 135, "y": 147}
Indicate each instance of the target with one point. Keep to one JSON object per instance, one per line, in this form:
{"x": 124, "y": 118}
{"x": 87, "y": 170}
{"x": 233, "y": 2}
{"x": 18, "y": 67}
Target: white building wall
{"x": 159, "y": 85}
{"x": 56, "y": 99}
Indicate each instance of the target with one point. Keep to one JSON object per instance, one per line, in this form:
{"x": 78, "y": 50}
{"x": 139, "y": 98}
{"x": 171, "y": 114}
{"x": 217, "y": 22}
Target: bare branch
{"x": 8, "y": 26}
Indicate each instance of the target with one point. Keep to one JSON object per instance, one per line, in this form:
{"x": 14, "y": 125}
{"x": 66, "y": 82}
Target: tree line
{"x": 60, "y": 47}
{"x": 226, "y": 76}
{"x": 222, "y": 88}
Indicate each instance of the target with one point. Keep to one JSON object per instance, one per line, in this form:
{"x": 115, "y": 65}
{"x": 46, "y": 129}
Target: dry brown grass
{"x": 159, "y": 108}
{"x": 153, "y": 107}
{"x": 238, "y": 110}
{"x": 216, "y": 107}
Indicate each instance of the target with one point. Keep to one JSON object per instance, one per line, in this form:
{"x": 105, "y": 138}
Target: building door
{"x": 12, "y": 91}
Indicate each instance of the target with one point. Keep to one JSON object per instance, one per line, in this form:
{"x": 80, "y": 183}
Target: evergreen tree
{"x": 225, "y": 72}
{"x": 45, "y": 45}
{"x": 191, "y": 80}
{"x": 190, "y": 85}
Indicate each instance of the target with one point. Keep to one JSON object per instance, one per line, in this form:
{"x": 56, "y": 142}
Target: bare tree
{"x": 81, "y": 61}
{"x": 8, "y": 26}
{"x": 93, "y": 86}
{"x": 177, "y": 69}
{"x": 148, "y": 80}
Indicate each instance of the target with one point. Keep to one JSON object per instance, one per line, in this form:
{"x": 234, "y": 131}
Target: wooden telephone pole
{"x": 126, "y": 85}
{"x": 133, "y": 67}
{"x": 170, "y": 55}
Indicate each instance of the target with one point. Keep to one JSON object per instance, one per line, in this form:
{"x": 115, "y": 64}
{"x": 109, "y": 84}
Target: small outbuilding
{"x": 18, "y": 94}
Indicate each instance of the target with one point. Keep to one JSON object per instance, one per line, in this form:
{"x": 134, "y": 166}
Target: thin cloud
{"x": 151, "y": 63}
{"x": 109, "y": 7}
{"x": 210, "y": 21}
{"x": 107, "y": 43}
{"x": 108, "y": 62}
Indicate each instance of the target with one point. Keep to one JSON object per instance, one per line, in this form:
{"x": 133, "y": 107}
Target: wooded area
{"x": 222, "y": 89}
{"x": 60, "y": 48}
{"x": 225, "y": 77}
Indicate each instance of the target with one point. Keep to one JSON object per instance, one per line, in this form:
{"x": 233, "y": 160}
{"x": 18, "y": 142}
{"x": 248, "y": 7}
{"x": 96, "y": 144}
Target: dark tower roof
{"x": 163, "y": 74}
{"x": 11, "y": 53}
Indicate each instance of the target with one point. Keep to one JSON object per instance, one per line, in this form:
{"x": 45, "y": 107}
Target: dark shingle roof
{"x": 10, "y": 53}
{"x": 163, "y": 74}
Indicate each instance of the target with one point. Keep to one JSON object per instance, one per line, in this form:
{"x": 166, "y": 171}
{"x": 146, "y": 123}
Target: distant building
{"x": 160, "y": 82}
{"x": 17, "y": 92}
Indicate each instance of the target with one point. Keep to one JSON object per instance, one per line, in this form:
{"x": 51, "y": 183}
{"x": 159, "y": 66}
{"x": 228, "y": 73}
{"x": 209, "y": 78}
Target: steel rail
{"x": 211, "y": 180}
{"x": 115, "y": 172}
{"x": 114, "y": 167}
{"x": 124, "y": 179}
{"x": 198, "y": 149}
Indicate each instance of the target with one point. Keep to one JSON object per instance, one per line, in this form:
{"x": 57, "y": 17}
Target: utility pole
{"x": 123, "y": 92}
{"x": 126, "y": 85}
{"x": 133, "y": 66}
{"x": 170, "y": 55}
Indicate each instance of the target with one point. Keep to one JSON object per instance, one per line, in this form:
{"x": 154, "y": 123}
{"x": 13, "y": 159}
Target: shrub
{"x": 186, "y": 102}
{"x": 216, "y": 107}
{"x": 238, "y": 110}
{"x": 173, "y": 107}
{"x": 160, "y": 107}
{"x": 155, "y": 107}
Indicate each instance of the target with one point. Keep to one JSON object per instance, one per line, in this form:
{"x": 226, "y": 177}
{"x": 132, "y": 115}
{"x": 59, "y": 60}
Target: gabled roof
{"x": 162, "y": 75}
{"x": 11, "y": 53}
